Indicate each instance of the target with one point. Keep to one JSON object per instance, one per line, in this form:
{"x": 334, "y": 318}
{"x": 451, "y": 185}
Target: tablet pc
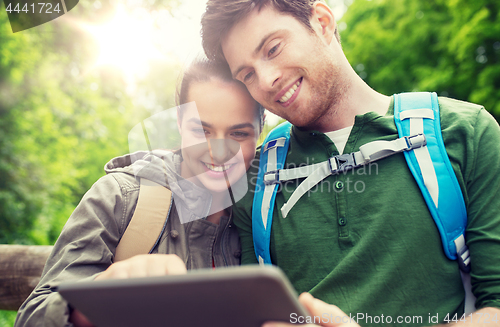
{"x": 245, "y": 296}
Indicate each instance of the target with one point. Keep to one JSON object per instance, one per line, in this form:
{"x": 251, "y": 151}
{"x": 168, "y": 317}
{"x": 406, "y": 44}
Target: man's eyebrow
{"x": 257, "y": 49}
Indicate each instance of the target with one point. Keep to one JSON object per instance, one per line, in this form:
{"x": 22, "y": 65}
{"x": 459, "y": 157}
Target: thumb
{"x": 329, "y": 315}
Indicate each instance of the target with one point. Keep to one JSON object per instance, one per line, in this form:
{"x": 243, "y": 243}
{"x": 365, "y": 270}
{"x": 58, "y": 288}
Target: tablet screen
{"x": 225, "y": 297}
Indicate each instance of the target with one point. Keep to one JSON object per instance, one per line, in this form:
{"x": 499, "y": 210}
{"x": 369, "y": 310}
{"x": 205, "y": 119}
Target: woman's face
{"x": 219, "y": 131}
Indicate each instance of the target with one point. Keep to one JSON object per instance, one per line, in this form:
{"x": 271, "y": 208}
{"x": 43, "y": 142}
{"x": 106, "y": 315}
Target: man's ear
{"x": 323, "y": 22}
{"x": 179, "y": 119}
{"x": 262, "y": 122}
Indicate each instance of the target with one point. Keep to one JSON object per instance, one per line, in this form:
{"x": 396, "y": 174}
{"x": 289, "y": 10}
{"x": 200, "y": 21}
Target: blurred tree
{"x": 60, "y": 121}
{"x": 448, "y": 46}
{"x": 17, "y": 208}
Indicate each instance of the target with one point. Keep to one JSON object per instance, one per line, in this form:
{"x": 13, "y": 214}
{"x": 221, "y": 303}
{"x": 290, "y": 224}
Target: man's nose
{"x": 269, "y": 77}
{"x": 222, "y": 150}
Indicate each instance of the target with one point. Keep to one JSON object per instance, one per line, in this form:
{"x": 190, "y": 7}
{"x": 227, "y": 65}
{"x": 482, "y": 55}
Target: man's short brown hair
{"x": 221, "y": 15}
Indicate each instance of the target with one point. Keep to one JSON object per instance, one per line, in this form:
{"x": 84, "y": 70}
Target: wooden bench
{"x": 20, "y": 269}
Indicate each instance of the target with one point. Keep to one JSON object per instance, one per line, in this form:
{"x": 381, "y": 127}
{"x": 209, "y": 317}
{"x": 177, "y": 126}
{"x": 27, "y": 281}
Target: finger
{"x": 121, "y": 270}
{"x": 331, "y": 314}
{"x": 157, "y": 267}
{"x": 164, "y": 264}
{"x": 149, "y": 265}
{"x": 306, "y": 299}
{"x": 113, "y": 272}
{"x": 79, "y": 320}
{"x": 145, "y": 265}
{"x": 284, "y": 324}
{"x": 175, "y": 265}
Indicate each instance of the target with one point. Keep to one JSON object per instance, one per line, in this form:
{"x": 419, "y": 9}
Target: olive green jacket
{"x": 88, "y": 241}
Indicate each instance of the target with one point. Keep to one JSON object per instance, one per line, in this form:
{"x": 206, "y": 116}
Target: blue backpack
{"x": 418, "y": 122}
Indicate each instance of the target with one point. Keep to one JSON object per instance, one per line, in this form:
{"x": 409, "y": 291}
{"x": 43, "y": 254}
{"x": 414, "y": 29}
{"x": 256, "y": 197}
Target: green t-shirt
{"x": 365, "y": 240}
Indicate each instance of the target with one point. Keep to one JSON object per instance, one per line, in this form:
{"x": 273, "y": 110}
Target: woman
{"x": 219, "y": 126}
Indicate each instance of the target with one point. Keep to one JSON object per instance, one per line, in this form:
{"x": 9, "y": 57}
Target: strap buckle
{"x": 463, "y": 258}
{"x": 342, "y": 163}
{"x": 415, "y": 141}
{"x": 272, "y": 177}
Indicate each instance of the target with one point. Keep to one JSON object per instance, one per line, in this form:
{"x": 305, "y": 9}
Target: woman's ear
{"x": 323, "y": 22}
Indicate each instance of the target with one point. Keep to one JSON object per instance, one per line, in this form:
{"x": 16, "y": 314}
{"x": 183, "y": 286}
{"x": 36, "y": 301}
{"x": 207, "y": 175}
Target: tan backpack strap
{"x": 147, "y": 222}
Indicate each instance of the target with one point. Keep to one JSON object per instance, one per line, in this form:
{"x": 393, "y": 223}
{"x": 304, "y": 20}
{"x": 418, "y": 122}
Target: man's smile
{"x": 287, "y": 95}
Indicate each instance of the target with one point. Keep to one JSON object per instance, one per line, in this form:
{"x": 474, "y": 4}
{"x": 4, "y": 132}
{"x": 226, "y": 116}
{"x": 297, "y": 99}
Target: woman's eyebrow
{"x": 199, "y": 122}
{"x": 244, "y": 125}
{"x": 205, "y": 124}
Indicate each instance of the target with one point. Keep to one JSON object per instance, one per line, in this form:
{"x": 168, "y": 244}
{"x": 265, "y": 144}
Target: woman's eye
{"x": 199, "y": 131}
{"x": 240, "y": 134}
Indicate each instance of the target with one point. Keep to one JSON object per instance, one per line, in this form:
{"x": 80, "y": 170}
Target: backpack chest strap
{"x": 335, "y": 165}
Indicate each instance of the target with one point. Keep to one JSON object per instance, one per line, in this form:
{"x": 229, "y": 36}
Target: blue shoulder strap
{"x": 419, "y": 113}
{"x": 431, "y": 168}
{"x": 272, "y": 157}
{"x": 414, "y": 113}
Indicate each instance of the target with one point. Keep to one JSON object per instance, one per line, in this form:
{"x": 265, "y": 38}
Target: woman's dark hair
{"x": 204, "y": 70}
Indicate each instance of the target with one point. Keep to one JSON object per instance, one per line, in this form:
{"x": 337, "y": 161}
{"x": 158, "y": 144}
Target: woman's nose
{"x": 222, "y": 150}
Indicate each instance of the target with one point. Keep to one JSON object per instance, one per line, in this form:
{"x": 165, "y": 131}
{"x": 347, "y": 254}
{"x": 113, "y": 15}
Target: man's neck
{"x": 355, "y": 98}
{"x": 358, "y": 100}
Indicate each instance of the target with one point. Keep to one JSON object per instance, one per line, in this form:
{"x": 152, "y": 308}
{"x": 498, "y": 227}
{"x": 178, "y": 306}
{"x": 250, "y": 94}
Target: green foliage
{"x": 17, "y": 206}
{"x": 7, "y": 318}
{"x": 61, "y": 120}
{"x": 448, "y": 46}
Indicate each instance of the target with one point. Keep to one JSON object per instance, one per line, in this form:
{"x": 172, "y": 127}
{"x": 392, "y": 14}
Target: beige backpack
{"x": 147, "y": 222}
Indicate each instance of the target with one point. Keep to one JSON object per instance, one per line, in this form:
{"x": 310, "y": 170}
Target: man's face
{"x": 286, "y": 67}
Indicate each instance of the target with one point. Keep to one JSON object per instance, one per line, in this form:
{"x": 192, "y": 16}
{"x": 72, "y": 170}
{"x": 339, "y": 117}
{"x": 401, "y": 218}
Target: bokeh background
{"x": 72, "y": 89}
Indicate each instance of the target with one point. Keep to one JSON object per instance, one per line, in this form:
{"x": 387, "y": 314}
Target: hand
{"x": 326, "y": 314}
{"x": 79, "y": 320}
{"x": 145, "y": 265}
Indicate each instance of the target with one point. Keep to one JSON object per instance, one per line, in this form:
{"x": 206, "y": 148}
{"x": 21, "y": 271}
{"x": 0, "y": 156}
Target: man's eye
{"x": 273, "y": 50}
{"x": 247, "y": 77}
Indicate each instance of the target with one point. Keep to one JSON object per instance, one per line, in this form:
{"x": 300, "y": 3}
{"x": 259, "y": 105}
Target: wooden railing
{"x": 20, "y": 269}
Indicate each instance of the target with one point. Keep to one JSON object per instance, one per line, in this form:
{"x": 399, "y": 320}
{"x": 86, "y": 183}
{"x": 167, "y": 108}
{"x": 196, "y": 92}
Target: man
{"x": 366, "y": 242}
